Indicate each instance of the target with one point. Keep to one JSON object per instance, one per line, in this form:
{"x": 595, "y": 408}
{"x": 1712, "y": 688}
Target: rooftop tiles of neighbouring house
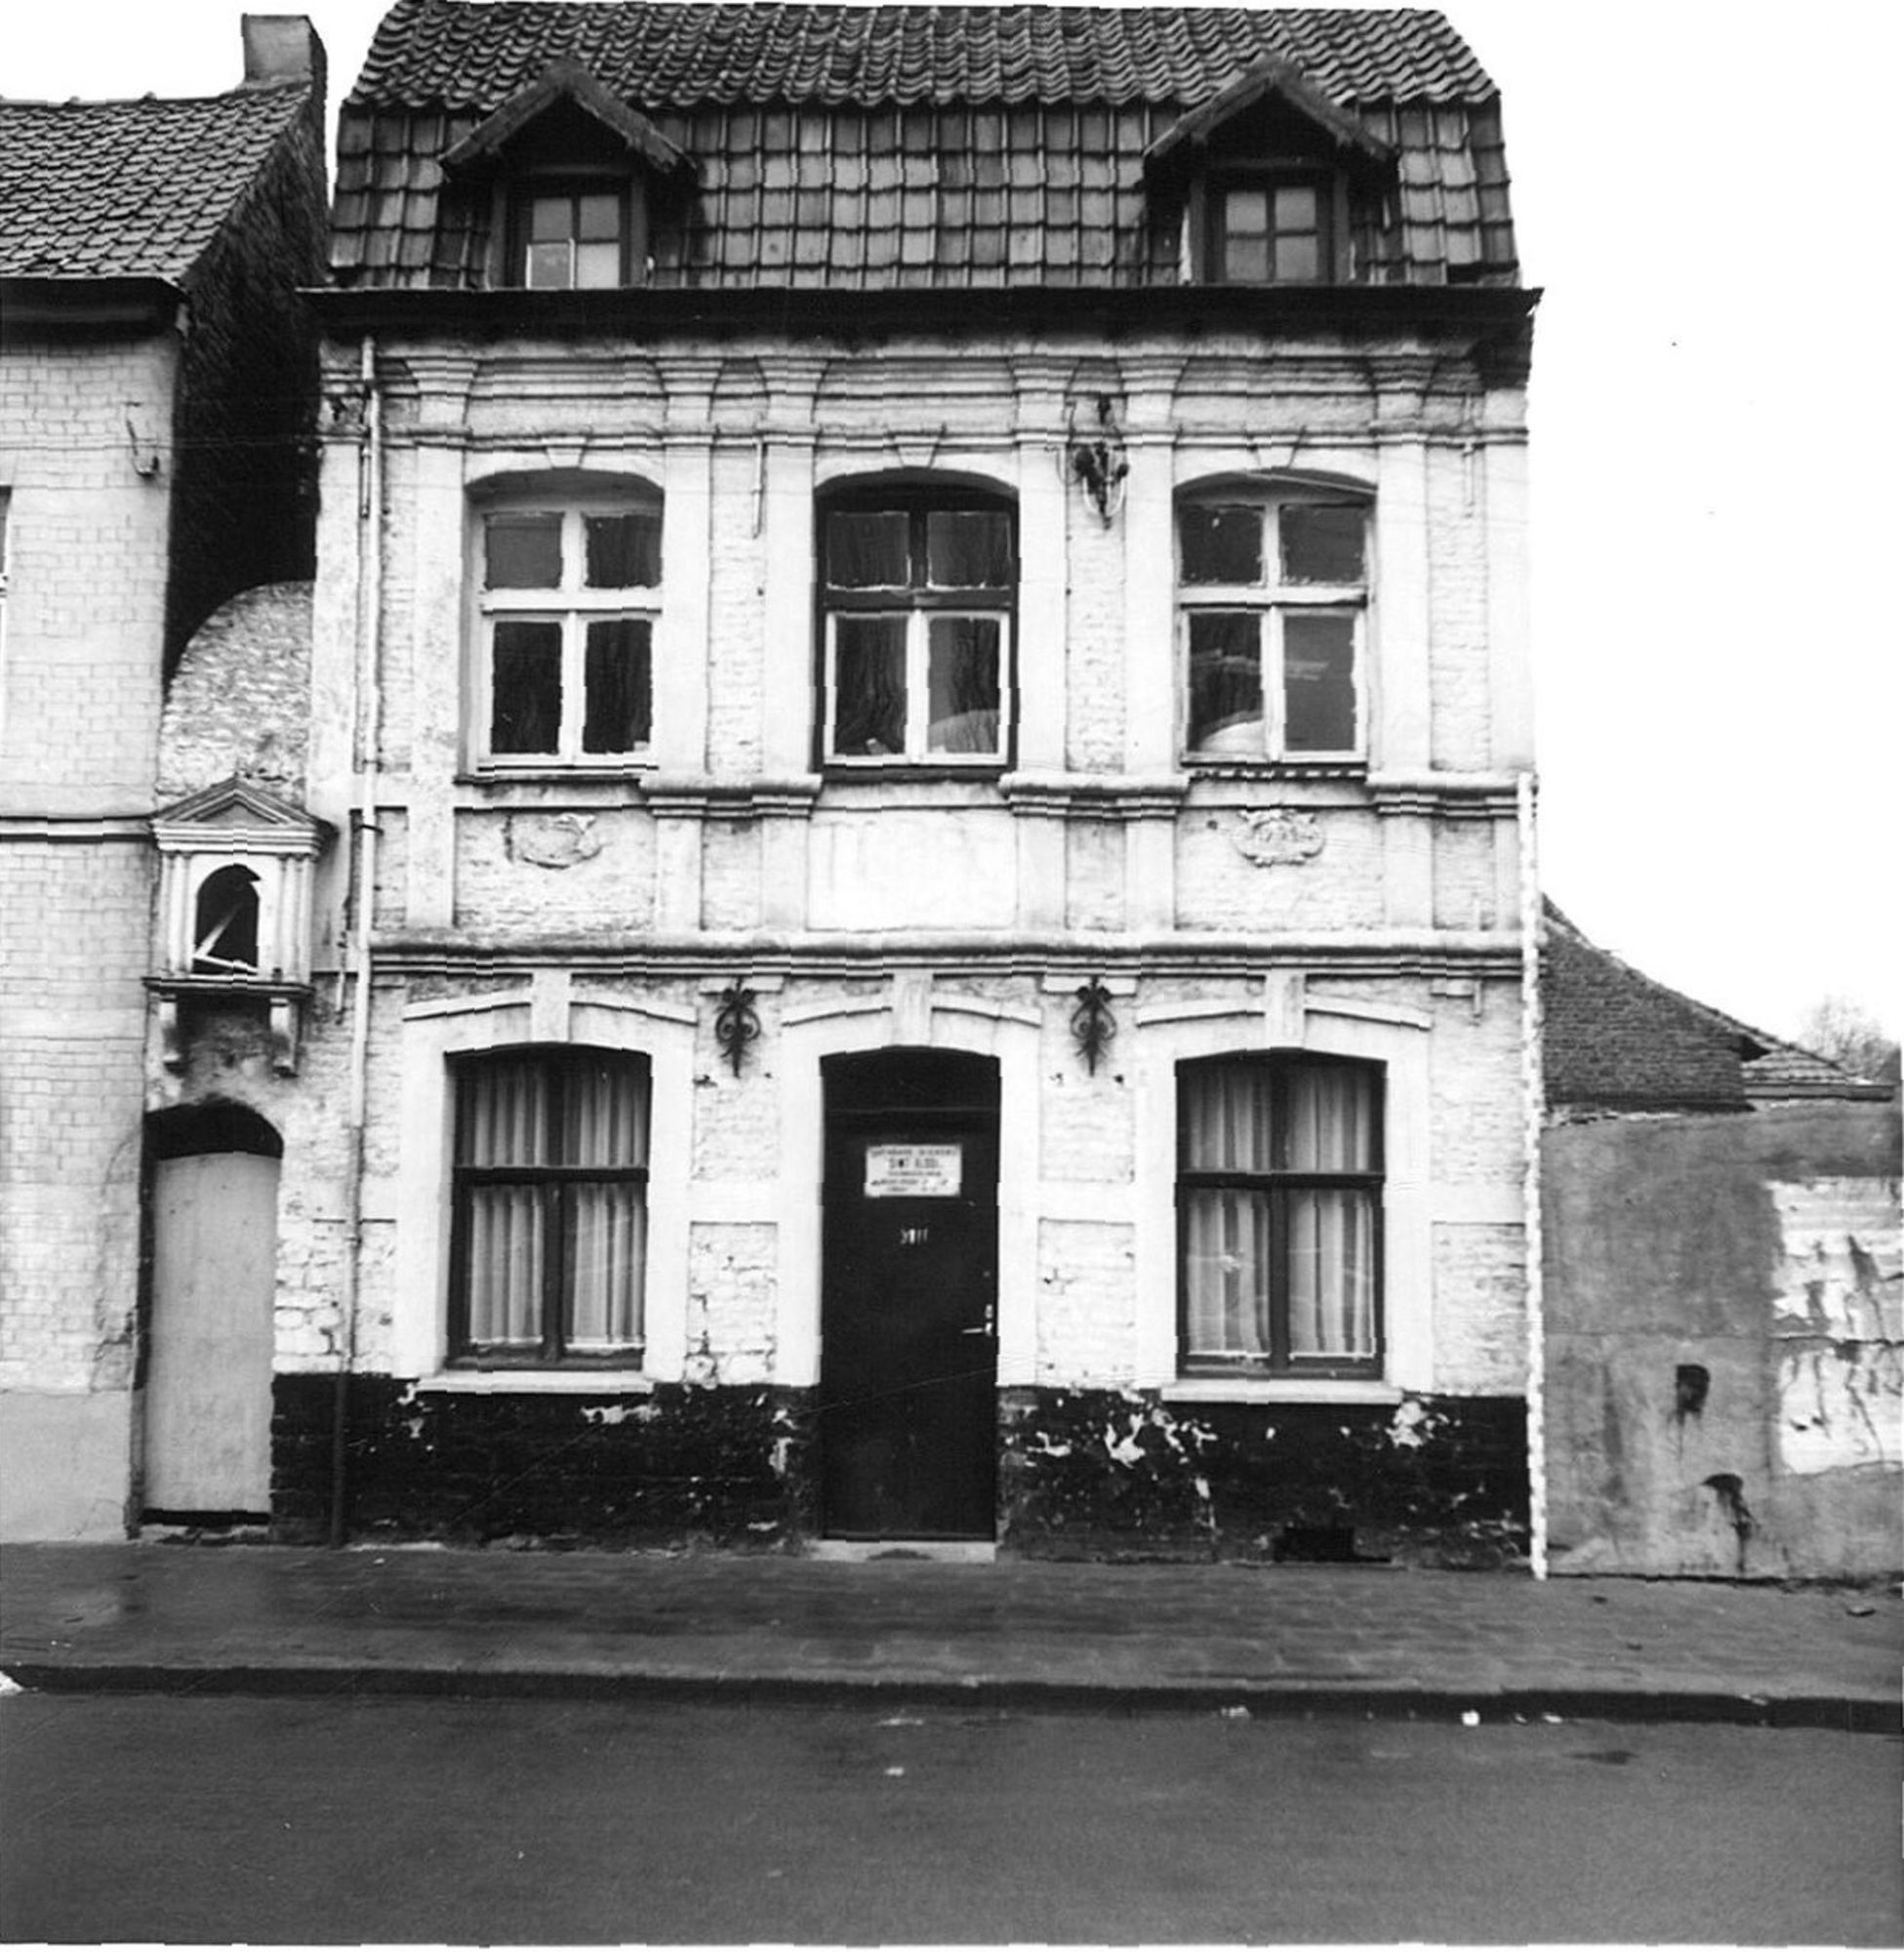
{"x": 895, "y": 146}
{"x": 1618, "y": 1040}
{"x": 129, "y": 189}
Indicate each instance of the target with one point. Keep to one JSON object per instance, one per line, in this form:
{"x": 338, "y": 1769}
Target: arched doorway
{"x": 909, "y": 1285}
{"x": 212, "y": 1192}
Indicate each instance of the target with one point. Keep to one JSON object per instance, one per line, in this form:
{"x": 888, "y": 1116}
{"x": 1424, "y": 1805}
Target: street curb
{"x": 1375, "y": 1702}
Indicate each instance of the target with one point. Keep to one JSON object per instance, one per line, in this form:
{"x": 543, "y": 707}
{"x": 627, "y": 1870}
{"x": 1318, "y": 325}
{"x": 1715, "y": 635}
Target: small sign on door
{"x": 914, "y": 1172}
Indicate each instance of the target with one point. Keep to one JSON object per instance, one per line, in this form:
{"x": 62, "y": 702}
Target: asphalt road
{"x": 217, "y": 1819}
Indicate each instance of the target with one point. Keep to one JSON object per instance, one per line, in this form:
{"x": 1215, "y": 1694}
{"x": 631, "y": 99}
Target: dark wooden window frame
{"x": 916, "y": 502}
{"x": 1278, "y": 1185}
{"x": 524, "y": 186}
{"x": 552, "y": 1182}
{"x": 1269, "y": 175}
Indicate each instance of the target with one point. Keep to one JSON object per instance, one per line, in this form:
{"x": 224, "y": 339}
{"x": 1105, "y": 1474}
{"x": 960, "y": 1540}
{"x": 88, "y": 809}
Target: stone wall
{"x": 1725, "y": 1351}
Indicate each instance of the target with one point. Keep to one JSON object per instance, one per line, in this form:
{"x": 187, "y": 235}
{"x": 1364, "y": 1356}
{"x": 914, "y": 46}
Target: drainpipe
{"x": 368, "y": 737}
{"x": 1533, "y": 1107}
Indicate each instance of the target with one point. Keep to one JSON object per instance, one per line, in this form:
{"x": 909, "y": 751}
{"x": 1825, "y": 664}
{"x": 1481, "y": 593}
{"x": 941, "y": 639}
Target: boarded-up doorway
{"x": 212, "y": 1193}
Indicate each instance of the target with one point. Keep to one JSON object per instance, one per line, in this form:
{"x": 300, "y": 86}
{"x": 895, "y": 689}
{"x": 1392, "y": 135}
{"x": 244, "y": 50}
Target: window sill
{"x": 537, "y": 1382}
{"x": 879, "y": 771}
{"x": 1224, "y": 766}
{"x": 1281, "y": 1390}
{"x": 552, "y": 770}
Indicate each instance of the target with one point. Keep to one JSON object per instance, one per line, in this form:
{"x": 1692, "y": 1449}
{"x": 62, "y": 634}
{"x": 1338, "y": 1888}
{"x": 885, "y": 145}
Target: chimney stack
{"x": 282, "y": 48}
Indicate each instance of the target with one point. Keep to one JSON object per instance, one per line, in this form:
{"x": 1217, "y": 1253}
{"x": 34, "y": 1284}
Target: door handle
{"x": 985, "y": 1327}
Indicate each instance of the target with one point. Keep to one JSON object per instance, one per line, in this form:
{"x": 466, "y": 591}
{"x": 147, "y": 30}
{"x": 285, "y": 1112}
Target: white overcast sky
{"x": 1705, "y": 192}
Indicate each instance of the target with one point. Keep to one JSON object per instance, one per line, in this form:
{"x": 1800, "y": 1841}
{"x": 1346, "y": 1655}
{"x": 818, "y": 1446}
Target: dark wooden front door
{"x": 909, "y": 1351}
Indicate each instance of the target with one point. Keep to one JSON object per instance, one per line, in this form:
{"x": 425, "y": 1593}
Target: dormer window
{"x": 571, "y": 168}
{"x": 576, "y": 238}
{"x": 1270, "y": 228}
{"x": 1267, "y": 178}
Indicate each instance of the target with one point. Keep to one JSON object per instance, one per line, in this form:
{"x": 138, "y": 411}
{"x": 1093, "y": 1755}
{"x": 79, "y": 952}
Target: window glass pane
{"x": 623, "y": 551}
{"x": 502, "y": 1114}
{"x": 1227, "y": 1272}
{"x": 598, "y": 266}
{"x": 867, "y": 551}
{"x": 507, "y": 1249}
{"x": 1328, "y": 1122}
{"x": 1245, "y": 213}
{"x": 522, "y": 551}
{"x": 549, "y": 268}
{"x": 1296, "y": 206}
{"x": 599, "y": 215}
{"x": 551, "y": 217}
{"x": 604, "y": 1113}
{"x": 870, "y": 682}
{"x": 962, "y": 684}
{"x": 968, "y": 548}
{"x": 604, "y": 1244}
{"x": 1318, "y": 682}
{"x": 617, "y": 678}
{"x": 1323, "y": 542}
{"x": 1226, "y": 681}
{"x": 1246, "y": 261}
{"x": 1297, "y": 261}
{"x": 1331, "y": 1272}
{"x": 525, "y": 712}
{"x": 1221, "y": 544}
{"x": 1226, "y": 1113}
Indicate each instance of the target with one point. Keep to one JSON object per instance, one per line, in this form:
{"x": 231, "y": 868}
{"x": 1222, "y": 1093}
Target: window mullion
{"x": 568, "y": 738}
{"x": 1269, "y": 649}
{"x": 917, "y": 675}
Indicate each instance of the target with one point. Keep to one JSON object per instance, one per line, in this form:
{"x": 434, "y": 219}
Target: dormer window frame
{"x": 1208, "y": 235}
{"x": 519, "y": 191}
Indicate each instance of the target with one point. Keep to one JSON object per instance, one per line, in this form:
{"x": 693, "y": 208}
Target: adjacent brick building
{"x": 157, "y": 381}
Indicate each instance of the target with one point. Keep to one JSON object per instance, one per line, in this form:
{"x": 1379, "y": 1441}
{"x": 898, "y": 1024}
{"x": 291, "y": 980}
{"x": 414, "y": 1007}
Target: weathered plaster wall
{"x": 1725, "y": 1359}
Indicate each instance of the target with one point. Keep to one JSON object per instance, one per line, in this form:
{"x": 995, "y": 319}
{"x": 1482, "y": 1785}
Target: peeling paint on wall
{"x": 1839, "y": 1320}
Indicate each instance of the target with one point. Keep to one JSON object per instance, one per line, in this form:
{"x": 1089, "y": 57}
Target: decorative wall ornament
{"x": 1097, "y": 459}
{"x": 553, "y": 839}
{"x": 1092, "y": 1024}
{"x": 736, "y": 1024}
{"x": 1270, "y": 834}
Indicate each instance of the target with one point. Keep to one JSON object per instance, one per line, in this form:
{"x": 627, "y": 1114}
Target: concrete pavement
{"x": 1274, "y": 1639}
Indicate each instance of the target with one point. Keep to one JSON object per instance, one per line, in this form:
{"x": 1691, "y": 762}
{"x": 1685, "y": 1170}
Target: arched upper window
{"x": 568, "y": 594}
{"x": 918, "y": 586}
{"x": 1273, "y": 594}
{"x": 225, "y": 931}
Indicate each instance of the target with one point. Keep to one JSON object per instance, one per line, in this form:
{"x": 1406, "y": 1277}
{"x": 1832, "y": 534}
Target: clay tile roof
{"x": 676, "y": 55}
{"x": 1617, "y": 1040}
{"x": 946, "y": 147}
{"x": 129, "y": 189}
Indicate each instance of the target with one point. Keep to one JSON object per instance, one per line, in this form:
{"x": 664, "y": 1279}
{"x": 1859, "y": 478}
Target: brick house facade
{"x": 918, "y": 659}
{"x": 157, "y": 383}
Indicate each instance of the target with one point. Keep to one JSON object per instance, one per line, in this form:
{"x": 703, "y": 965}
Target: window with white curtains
{"x": 550, "y": 1192}
{"x": 1279, "y": 1197}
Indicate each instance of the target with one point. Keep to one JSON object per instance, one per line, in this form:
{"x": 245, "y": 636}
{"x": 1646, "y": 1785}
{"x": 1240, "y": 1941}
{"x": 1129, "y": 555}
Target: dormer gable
{"x": 570, "y": 168}
{"x": 1268, "y": 171}
{"x": 566, "y": 81}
